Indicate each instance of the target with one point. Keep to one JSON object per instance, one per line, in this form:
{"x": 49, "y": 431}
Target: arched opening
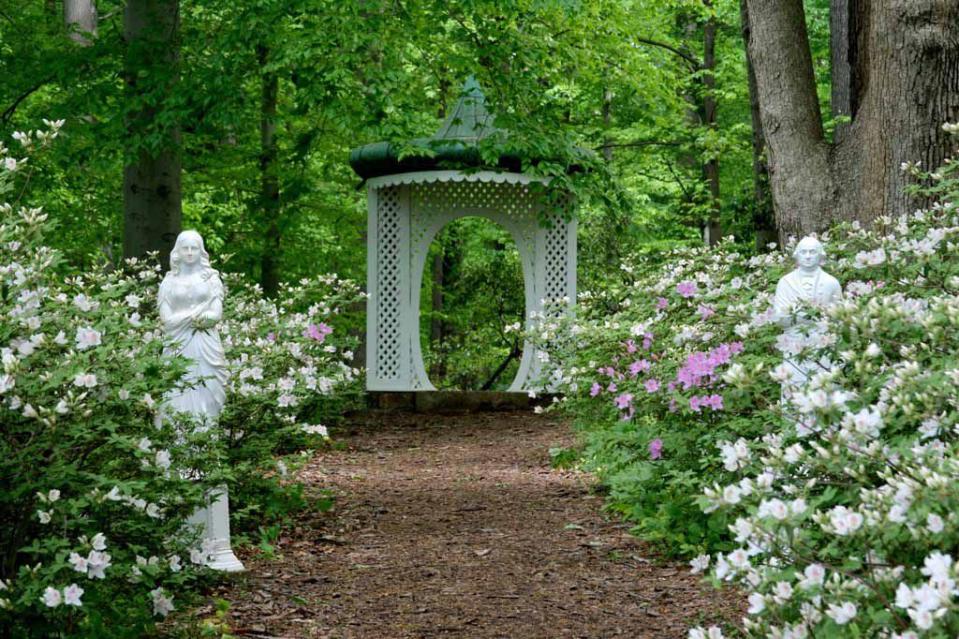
{"x": 473, "y": 288}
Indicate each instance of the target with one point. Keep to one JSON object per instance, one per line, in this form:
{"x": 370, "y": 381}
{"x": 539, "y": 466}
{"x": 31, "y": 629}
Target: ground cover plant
{"x": 94, "y": 488}
{"x": 835, "y": 510}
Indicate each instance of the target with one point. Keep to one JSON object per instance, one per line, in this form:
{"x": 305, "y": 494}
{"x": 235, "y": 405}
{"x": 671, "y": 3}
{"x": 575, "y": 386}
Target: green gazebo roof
{"x": 454, "y": 145}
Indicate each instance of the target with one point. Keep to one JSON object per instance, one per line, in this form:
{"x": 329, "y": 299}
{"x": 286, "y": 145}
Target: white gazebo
{"x": 412, "y": 199}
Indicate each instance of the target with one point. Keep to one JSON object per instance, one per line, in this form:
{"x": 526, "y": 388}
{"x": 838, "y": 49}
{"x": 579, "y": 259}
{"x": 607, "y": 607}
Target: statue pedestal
{"x": 215, "y": 523}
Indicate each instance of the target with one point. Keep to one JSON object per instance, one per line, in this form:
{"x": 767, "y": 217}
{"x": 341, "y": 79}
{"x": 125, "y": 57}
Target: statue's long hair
{"x": 206, "y": 269}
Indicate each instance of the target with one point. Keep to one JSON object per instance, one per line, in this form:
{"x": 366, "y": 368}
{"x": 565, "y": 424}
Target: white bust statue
{"x": 808, "y": 283}
{"x": 190, "y": 302}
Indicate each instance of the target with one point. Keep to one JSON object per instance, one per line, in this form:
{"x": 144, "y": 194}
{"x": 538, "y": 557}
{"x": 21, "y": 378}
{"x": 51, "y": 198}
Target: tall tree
{"x": 269, "y": 178}
{"x": 151, "y": 178}
{"x": 764, "y": 225}
{"x": 903, "y": 83}
{"x": 80, "y": 18}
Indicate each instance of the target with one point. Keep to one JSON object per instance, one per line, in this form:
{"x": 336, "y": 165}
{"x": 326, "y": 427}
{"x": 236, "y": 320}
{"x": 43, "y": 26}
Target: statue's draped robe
{"x": 204, "y": 390}
{"x": 795, "y": 288}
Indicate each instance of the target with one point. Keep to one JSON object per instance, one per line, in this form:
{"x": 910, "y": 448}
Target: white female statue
{"x": 809, "y": 284}
{"x": 191, "y": 303}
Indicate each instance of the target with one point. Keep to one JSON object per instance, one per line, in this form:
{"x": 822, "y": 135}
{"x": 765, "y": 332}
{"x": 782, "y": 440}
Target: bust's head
{"x": 809, "y": 254}
{"x": 189, "y": 251}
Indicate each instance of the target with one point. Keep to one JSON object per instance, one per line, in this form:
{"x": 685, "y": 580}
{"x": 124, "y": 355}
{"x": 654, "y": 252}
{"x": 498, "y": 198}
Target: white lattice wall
{"x": 406, "y": 211}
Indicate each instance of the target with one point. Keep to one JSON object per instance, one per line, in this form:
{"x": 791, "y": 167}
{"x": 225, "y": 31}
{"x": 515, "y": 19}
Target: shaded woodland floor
{"x": 457, "y": 526}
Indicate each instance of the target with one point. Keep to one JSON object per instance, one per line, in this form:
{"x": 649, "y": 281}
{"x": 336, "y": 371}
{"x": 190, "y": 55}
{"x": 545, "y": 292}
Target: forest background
{"x": 241, "y": 116}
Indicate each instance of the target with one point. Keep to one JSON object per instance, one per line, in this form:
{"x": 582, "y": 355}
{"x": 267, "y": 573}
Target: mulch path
{"x": 457, "y": 526}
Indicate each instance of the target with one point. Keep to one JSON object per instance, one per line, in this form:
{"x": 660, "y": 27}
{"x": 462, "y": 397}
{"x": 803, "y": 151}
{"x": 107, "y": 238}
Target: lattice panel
{"x": 388, "y": 284}
{"x": 555, "y": 259}
{"x": 433, "y": 205}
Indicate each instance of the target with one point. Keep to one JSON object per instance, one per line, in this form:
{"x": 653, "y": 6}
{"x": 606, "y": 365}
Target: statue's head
{"x": 189, "y": 250}
{"x": 809, "y": 253}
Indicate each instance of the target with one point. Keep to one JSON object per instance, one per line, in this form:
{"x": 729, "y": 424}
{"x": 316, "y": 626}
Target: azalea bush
{"x": 641, "y": 368}
{"x": 291, "y": 377}
{"x": 845, "y": 514}
{"x": 95, "y": 488}
{"x": 94, "y": 492}
{"x": 830, "y": 501}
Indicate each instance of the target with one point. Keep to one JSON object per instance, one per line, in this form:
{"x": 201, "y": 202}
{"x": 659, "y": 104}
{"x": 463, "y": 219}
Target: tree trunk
{"x": 151, "y": 184}
{"x": 607, "y": 123}
{"x": 269, "y": 180}
{"x": 80, "y": 19}
{"x": 712, "y": 233}
{"x": 905, "y": 85}
{"x": 764, "y": 224}
{"x": 902, "y": 60}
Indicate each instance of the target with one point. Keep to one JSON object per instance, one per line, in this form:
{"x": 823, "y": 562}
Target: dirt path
{"x": 456, "y": 526}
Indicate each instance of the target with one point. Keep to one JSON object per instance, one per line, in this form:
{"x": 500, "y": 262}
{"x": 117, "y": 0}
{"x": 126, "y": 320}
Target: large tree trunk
{"x": 799, "y": 167}
{"x": 901, "y": 60}
{"x": 80, "y": 18}
{"x": 764, "y": 223}
{"x": 269, "y": 179}
{"x": 151, "y": 184}
{"x": 712, "y": 233}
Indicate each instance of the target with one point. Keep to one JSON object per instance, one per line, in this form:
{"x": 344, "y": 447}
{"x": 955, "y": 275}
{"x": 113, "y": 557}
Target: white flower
{"x": 318, "y": 429}
{"x": 52, "y": 597}
{"x": 43, "y": 516}
{"x": 87, "y": 338}
{"x": 813, "y": 576}
{"x": 842, "y": 614}
{"x": 757, "y": 603}
{"x": 152, "y": 510}
{"x": 145, "y": 445}
{"x": 934, "y": 523}
{"x": 84, "y": 303}
{"x": 775, "y": 508}
{"x": 699, "y": 564}
{"x": 10, "y": 164}
{"x": 72, "y": 594}
{"x": 175, "y": 565}
{"x": 7, "y": 382}
{"x": 163, "y": 459}
{"x": 936, "y": 567}
{"x": 162, "y": 603}
{"x": 97, "y": 563}
{"x": 99, "y": 541}
{"x": 286, "y": 400}
{"x": 53, "y": 495}
{"x": 133, "y": 300}
{"x": 85, "y": 380}
{"x": 732, "y": 494}
{"x": 78, "y": 562}
{"x": 873, "y": 350}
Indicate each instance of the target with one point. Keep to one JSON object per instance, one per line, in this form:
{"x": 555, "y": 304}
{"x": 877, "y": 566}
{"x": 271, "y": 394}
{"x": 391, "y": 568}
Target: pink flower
{"x": 271, "y": 337}
{"x": 637, "y": 367}
{"x": 317, "y": 331}
{"x": 648, "y": 341}
{"x": 624, "y": 401}
{"x": 611, "y": 388}
{"x": 687, "y": 288}
{"x": 656, "y": 449}
{"x": 705, "y": 312}
{"x": 661, "y": 303}
{"x": 630, "y": 346}
{"x": 595, "y": 390}
{"x": 651, "y": 385}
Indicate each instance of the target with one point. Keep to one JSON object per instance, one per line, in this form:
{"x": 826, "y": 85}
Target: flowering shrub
{"x": 643, "y": 369}
{"x": 290, "y": 378}
{"x": 93, "y": 495}
{"x": 845, "y": 515}
{"x": 835, "y": 508}
{"x": 95, "y": 491}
